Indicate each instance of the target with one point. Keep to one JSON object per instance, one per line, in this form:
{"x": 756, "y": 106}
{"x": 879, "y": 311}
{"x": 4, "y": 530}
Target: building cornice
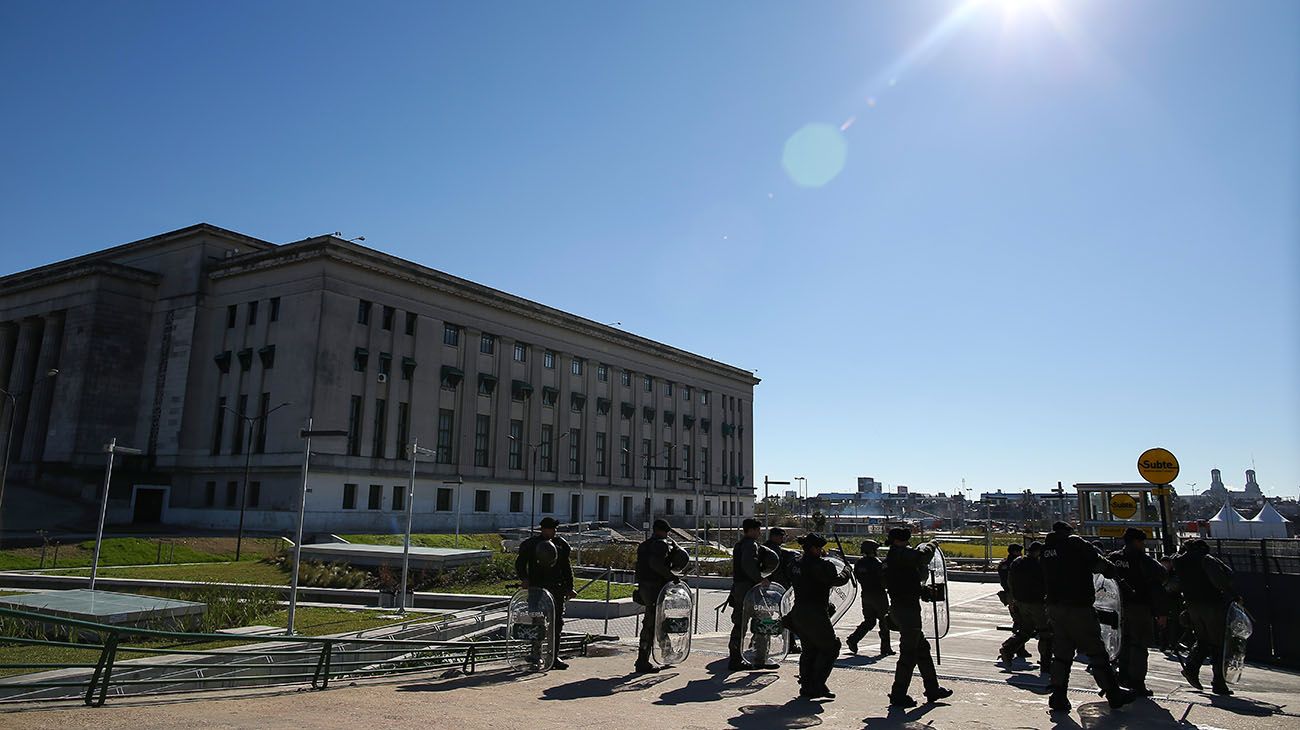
{"x": 48, "y": 276}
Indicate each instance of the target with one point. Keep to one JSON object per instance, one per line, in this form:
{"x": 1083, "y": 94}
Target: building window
{"x": 686, "y": 393}
{"x": 704, "y": 459}
{"x": 252, "y": 313}
{"x": 237, "y": 447}
{"x": 446, "y": 419}
{"x": 482, "y": 429}
{"x": 378, "y": 445}
{"x": 387, "y": 318}
{"x": 245, "y": 359}
{"x": 516, "y": 444}
{"x": 399, "y": 499}
{"x": 232, "y": 316}
{"x": 444, "y": 500}
{"x": 575, "y": 367}
{"x": 600, "y": 454}
{"x": 219, "y": 428}
{"x": 355, "y": 414}
{"x": 708, "y": 507}
{"x": 575, "y": 451}
{"x": 649, "y": 384}
{"x": 411, "y": 319}
{"x": 267, "y": 355}
{"x": 516, "y": 502}
{"x": 408, "y": 368}
{"x": 482, "y": 500}
{"x": 577, "y": 401}
{"x": 274, "y": 314}
{"x": 646, "y": 455}
{"x": 360, "y": 359}
{"x": 549, "y": 396}
{"x": 259, "y": 439}
{"x": 668, "y": 388}
{"x": 486, "y": 384}
{"x": 451, "y": 335}
{"x": 548, "y": 503}
{"x": 385, "y": 364}
{"x": 704, "y": 397}
{"x": 363, "y": 312}
{"x": 548, "y": 360}
{"x": 487, "y": 344}
{"x": 232, "y": 494}
{"x": 403, "y": 428}
{"x": 603, "y": 406}
{"x": 602, "y": 373}
{"x": 626, "y": 377}
{"x": 686, "y": 461}
{"x": 624, "y": 457}
{"x": 668, "y": 506}
{"x": 521, "y": 352}
{"x": 690, "y": 506}
{"x": 376, "y": 500}
{"x": 349, "y": 496}
{"x": 210, "y": 494}
{"x": 544, "y": 448}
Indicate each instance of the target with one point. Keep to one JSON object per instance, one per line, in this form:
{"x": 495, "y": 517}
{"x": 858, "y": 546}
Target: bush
{"x": 620, "y": 557}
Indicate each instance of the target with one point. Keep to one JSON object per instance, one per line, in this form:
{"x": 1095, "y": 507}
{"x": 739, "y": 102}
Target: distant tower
{"x": 1252, "y": 487}
{"x": 1216, "y": 484}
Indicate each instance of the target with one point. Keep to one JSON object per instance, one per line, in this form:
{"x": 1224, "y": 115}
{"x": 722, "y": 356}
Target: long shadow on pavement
{"x": 467, "y": 681}
{"x": 796, "y": 713}
{"x": 899, "y": 718}
{"x": 605, "y": 686}
{"x": 717, "y": 688}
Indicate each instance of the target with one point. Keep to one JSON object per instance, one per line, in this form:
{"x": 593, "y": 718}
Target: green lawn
{"x": 139, "y": 551}
{"x": 596, "y": 591}
{"x": 476, "y": 541}
{"x": 241, "y": 572}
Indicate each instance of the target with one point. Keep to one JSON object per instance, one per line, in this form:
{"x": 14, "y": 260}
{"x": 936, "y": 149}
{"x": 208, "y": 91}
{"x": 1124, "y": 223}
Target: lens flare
{"x": 814, "y": 155}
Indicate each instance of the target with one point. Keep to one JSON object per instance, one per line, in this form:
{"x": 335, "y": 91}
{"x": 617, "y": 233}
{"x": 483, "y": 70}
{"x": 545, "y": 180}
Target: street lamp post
{"x": 457, "y": 482}
{"x": 414, "y": 449}
{"x": 581, "y": 481}
{"x": 111, "y": 448}
{"x": 533, "y": 460}
{"x": 12, "y": 401}
{"x": 249, "y": 422}
{"x": 767, "y": 505}
{"x": 654, "y": 470}
{"x": 803, "y": 500}
{"x": 306, "y": 435}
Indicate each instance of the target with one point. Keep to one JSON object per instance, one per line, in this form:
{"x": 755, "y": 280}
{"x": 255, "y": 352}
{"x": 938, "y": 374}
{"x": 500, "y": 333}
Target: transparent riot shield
{"x": 1235, "y": 635}
{"x": 766, "y": 640}
{"x": 531, "y": 621}
{"x": 1107, "y": 604}
{"x": 674, "y": 620}
{"x": 934, "y": 610}
{"x": 842, "y": 597}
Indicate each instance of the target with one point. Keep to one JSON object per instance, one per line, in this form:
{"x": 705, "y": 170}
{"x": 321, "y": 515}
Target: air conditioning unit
{"x": 382, "y": 378}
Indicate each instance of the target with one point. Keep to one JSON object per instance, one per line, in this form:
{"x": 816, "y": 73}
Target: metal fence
{"x": 1267, "y": 574}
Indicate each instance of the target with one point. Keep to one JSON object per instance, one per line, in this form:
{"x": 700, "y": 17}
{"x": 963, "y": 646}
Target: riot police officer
{"x": 782, "y": 575}
{"x": 875, "y": 600}
{"x": 653, "y": 572}
{"x": 1026, "y": 592}
{"x": 1141, "y": 590}
{"x": 543, "y": 562}
{"x": 1068, "y": 566}
{"x": 1206, "y": 585}
{"x": 905, "y": 569}
{"x": 1014, "y": 551}
{"x": 814, "y": 576}
{"x": 746, "y": 572}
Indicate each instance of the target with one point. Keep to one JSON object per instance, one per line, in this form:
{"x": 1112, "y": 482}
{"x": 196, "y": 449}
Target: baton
{"x": 840, "y": 545}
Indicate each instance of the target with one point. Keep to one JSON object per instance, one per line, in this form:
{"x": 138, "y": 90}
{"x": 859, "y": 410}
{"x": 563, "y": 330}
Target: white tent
{"x": 1228, "y": 524}
{"x": 1268, "y": 523}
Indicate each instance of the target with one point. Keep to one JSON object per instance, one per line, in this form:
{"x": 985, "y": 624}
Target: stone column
{"x": 21, "y": 377}
{"x": 8, "y": 342}
{"x": 43, "y": 389}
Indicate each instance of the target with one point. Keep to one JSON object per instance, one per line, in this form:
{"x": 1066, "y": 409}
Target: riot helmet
{"x": 545, "y": 554}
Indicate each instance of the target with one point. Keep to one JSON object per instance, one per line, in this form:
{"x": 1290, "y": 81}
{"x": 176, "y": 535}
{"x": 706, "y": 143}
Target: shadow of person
{"x": 897, "y": 717}
{"x": 1140, "y": 714}
{"x": 1029, "y": 682}
{"x": 1243, "y": 706}
{"x": 793, "y": 714}
{"x": 464, "y": 681}
{"x": 716, "y": 688}
{"x": 605, "y": 686}
{"x": 858, "y": 660}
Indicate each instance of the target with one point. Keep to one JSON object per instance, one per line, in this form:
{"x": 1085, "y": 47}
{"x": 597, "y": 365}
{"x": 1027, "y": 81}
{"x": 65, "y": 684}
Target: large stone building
{"x": 160, "y": 342}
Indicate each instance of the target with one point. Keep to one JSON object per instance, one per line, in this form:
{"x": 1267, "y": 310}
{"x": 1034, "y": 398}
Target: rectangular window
{"x": 377, "y": 445}
{"x": 252, "y": 313}
{"x": 624, "y": 457}
{"x": 668, "y": 506}
{"x": 516, "y": 502}
{"x": 363, "y": 312}
{"x": 355, "y": 414}
{"x": 575, "y": 367}
{"x": 210, "y": 494}
{"x": 548, "y": 503}
{"x": 399, "y": 499}
{"x": 403, "y": 428}
{"x": 385, "y": 364}
{"x": 668, "y": 461}
{"x": 274, "y": 314}
{"x": 376, "y": 500}
{"x": 690, "y": 506}
{"x": 487, "y": 344}
{"x": 646, "y": 455}
{"x": 548, "y": 360}
{"x": 446, "y": 419}
{"x": 704, "y": 397}
{"x": 237, "y": 447}
{"x": 686, "y": 393}
{"x": 577, "y": 401}
{"x": 521, "y": 352}
{"x": 549, "y": 396}
{"x": 544, "y": 449}
{"x": 704, "y": 459}
{"x": 360, "y": 359}
{"x": 482, "y": 433}
{"x": 649, "y": 384}
{"x": 482, "y": 500}
{"x": 575, "y": 451}
{"x": 516, "y": 444}
{"x": 232, "y": 316}
{"x": 232, "y": 494}
{"x": 349, "y": 496}
{"x": 686, "y": 460}
{"x": 411, "y": 319}
{"x": 627, "y": 377}
{"x": 219, "y": 428}
{"x": 444, "y": 499}
{"x": 668, "y": 388}
{"x": 708, "y": 507}
{"x": 451, "y": 335}
{"x": 259, "y": 440}
{"x": 600, "y": 454}
{"x": 387, "y": 318}
{"x": 602, "y": 373}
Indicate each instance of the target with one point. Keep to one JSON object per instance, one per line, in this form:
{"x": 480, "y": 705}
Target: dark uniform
{"x": 1068, "y": 566}
{"x": 1027, "y": 593}
{"x": 556, "y": 579}
{"x": 652, "y": 574}
{"x": 813, "y": 577}
{"x": 1206, "y": 585}
{"x": 870, "y": 572}
{"x": 905, "y": 569}
{"x": 785, "y": 577}
{"x": 745, "y": 574}
{"x": 1141, "y": 590}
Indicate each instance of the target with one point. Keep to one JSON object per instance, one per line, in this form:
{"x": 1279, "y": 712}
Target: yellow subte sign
{"x": 1158, "y": 466}
{"x": 1123, "y": 506}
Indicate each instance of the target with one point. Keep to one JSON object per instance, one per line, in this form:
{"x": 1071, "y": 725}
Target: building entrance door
{"x": 148, "y": 506}
{"x": 627, "y": 510}
{"x": 602, "y": 508}
{"x": 575, "y": 508}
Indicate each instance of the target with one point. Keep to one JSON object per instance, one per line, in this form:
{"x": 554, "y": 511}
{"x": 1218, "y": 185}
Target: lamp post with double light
{"x": 306, "y": 434}
{"x": 249, "y": 422}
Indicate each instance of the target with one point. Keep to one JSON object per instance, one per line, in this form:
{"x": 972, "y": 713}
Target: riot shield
{"x": 1235, "y": 635}
{"x": 766, "y": 640}
{"x": 531, "y": 621}
{"x": 674, "y": 619}
{"x": 842, "y": 598}
{"x": 934, "y": 613}
{"x": 1109, "y": 607}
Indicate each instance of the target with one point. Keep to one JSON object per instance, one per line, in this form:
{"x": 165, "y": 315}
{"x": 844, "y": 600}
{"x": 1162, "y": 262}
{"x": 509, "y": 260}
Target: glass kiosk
{"x": 1106, "y": 510}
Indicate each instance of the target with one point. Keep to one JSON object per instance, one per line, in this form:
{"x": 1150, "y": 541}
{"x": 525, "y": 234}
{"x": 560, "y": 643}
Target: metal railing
{"x": 243, "y": 660}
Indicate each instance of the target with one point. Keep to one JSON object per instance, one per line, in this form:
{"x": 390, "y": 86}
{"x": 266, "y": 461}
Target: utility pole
{"x": 767, "y": 505}
{"x": 248, "y": 423}
{"x": 111, "y": 448}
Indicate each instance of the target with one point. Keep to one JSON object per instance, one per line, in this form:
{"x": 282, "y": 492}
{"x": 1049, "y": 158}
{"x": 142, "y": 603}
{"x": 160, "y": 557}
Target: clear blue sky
{"x": 1062, "y": 232}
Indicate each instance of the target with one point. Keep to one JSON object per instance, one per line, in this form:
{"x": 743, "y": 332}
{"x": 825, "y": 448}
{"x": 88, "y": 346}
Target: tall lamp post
{"x": 767, "y": 506}
{"x": 457, "y": 483}
{"x": 803, "y": 500}
{"x": 581, "y": 481}
{"x": 112, "y": 449}
{"x": 12, "y": 401}
{"x": 414, "y": 450}
{"x": 306, "y": 434}
{"x": 533, "y": 460}
{"x": 654, "y": 469}
{"x": 249, "y": 422}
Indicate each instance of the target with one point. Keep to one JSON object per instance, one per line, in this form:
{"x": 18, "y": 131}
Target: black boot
{"x": 1058, "y": 701}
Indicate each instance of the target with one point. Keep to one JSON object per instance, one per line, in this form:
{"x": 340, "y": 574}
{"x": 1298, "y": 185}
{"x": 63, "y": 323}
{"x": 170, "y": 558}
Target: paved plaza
{"x": 601, "y": 689}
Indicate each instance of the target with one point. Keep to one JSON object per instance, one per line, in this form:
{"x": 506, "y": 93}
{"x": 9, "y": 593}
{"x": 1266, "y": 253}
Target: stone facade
{"x": 160, "y": 342}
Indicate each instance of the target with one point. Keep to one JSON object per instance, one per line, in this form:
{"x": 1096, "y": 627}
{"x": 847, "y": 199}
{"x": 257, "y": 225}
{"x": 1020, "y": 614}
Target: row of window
{"x": 251, "y": 309}
{"x": 245, "y": 358}
{"x": 256, "y": 430}
{"x": 444, "y": 502}
{"x": 387, "y": 316}
{"x": 231, "y": 498}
